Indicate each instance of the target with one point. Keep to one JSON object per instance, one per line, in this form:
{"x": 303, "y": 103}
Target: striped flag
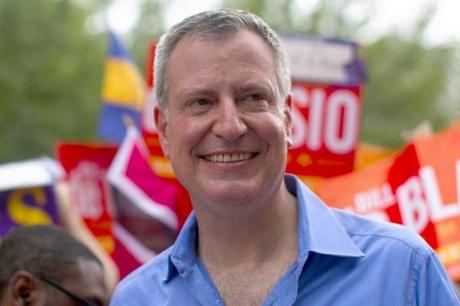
{"x": 123, "y": 92}
{"x": 145, "y": 204}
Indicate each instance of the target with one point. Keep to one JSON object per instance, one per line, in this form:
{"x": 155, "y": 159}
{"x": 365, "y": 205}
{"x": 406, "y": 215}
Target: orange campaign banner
{"x": 367, "y": 154}
{"x": 419, "y": 187}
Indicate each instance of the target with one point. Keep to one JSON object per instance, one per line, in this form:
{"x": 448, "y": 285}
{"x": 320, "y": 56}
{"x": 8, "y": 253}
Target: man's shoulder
{"x": 401, "y": 258}
{"x": 140, "y": 282}
{"x": 363, "y": 230}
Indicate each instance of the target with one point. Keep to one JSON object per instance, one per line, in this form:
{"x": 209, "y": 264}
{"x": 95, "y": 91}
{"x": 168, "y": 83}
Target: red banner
{"x": 149, "y": 130}
{"x": 86, "y": 167}
{"x": 325, "y": 129}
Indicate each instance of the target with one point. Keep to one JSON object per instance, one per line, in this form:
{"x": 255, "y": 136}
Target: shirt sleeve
{"x": 433, "y": 285}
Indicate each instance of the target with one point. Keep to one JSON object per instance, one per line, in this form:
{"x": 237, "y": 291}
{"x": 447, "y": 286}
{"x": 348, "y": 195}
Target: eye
{"x": 254, "y": 98}
{"x": 199, "y": 102}
{"x": 196, "y": 106}
{"x": 254, "y": 102}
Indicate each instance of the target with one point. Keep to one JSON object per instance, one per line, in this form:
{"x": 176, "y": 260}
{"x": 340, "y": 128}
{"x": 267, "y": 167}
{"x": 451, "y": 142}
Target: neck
{"x": 256, "y": 236}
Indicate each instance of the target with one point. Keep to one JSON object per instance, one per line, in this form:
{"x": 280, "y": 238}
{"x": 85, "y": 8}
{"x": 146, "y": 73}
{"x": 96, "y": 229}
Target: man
{"x": 43, "y": 265}
{"x": 258, "y": 236}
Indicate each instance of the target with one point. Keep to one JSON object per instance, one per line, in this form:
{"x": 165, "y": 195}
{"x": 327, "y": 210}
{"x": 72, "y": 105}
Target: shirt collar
{"x": 319, "y": 231}
{"x": 184, "y": 251}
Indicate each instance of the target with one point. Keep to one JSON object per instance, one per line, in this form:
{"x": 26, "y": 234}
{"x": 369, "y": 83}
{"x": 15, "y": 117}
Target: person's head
{"x": 222, "y": 87}
{"x": 44, "y": 265}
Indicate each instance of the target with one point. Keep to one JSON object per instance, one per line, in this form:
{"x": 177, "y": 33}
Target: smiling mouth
{"x": 229, "y": 157}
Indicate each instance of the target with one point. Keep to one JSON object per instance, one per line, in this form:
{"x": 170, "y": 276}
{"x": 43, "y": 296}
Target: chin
{"x": 232, "y": 193}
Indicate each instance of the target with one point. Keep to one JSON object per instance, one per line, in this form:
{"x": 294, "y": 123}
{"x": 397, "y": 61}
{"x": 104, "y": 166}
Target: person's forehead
{"x": 195, "y": 39}
{"x": 245, "y": 48}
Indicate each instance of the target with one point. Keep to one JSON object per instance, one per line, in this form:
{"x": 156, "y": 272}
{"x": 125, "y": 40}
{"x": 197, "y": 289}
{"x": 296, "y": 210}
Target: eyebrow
{"x": 196, "y": 91}
{"x": 265, "y": 86}
{"x": 248, "y": 86}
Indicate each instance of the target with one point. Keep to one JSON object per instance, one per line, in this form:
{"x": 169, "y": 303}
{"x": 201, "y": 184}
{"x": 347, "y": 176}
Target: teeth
{"x": 228, "y": 158}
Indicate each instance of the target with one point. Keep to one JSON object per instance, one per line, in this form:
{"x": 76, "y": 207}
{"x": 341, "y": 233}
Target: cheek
{"x": 272, "y": 127}
{"x": 184, "y": 134}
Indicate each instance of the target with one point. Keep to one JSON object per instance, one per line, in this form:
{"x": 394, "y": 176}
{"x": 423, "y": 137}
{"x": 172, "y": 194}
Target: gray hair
{"x": 217, "y": 25}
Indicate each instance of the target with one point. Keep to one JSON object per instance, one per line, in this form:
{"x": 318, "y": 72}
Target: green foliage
{"x": 406, "y": 84}
{"x": 50, "y": 78}
{"x": 328, "y": 18}
{"x": 149, "y": 28}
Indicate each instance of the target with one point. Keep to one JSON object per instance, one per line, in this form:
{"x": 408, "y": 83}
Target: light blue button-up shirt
{"x": 343, "y": 260}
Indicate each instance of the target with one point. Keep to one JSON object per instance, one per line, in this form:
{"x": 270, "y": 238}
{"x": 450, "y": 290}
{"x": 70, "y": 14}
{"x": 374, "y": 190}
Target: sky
{"x": 395, "y": 15}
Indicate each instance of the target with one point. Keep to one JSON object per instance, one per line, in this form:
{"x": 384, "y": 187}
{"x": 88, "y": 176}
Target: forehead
{"x": 198, "y": 60}
{"x": 241, "y": 44}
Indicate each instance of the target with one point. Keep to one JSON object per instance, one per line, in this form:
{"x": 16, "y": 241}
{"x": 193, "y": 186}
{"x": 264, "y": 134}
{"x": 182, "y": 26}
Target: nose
{"x": 228, "y": 123}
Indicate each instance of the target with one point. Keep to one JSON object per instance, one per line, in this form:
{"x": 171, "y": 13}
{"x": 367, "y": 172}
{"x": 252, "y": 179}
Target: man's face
{"x": 226, "y": 126}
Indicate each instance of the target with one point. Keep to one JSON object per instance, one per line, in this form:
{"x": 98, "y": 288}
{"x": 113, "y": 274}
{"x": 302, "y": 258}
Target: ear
{"x": 25, "y": 289}
{"x": 288, "y": 118}
{"x": 161, "y": 121}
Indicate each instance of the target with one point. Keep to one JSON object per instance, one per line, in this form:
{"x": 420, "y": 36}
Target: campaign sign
{"x": 419, "y": 188}
{"x": 325, "y": 129}
{"x": 326, "y": 104}
{"x": 26, "y": 193}
{"x": 27, "y": 206}
{"x": 322, "y": 60}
